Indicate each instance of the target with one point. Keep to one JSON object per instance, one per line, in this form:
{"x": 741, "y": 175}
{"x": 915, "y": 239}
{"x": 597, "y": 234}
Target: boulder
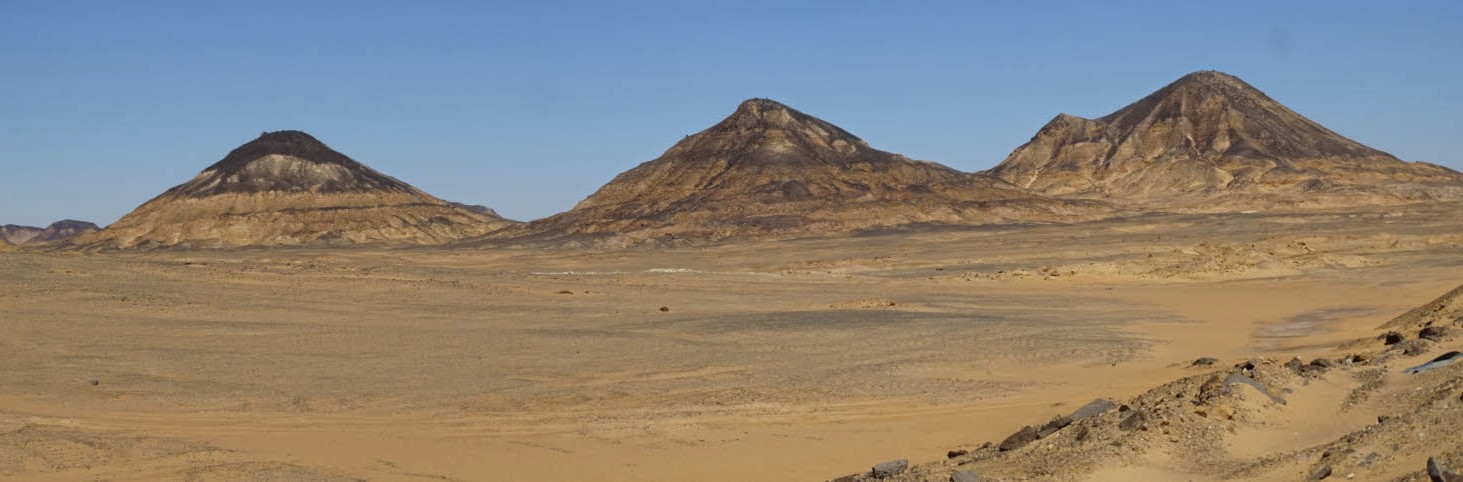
{"x": 1019, "y": 439}
{"x": 890, "y": 468}
{"x": 964, "y": 476}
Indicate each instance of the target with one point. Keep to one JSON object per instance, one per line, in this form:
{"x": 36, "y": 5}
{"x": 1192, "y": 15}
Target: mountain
{"x": 23, "y": 235}
{"x": 1210, "y": 136}
{"x": 287, "y": 188}
{"x": 769, "y": 169}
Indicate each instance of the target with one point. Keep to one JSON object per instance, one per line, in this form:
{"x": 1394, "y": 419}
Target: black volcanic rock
{"x": 287, "y": 161}
{"x": 1205, "y": 135}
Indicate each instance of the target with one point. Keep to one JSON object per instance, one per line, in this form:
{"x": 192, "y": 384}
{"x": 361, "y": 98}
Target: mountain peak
{"x": 291, "y": 143}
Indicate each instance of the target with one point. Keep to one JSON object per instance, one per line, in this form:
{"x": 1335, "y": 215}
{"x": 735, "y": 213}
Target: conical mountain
{"x": 287, "y": 188}
{"x": 1207, "y": 135}
{"x": 768, "y": 168}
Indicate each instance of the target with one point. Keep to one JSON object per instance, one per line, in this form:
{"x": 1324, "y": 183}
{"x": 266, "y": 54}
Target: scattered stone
{"x": 1294, "y": 364}
{"x": 665, "y": 308}
{"x": 1204, "y": 362}
{"x": 1135, "y": 421}
{"x": 956, "y": 453}
{"x": 890, "y": 468}
{"x": 1413, "y": 347}
{"x": 1383, "y": 419}
{"x": 1392, "y": 338}
{"x": 1359, "y": 358}
{"x": 964, "y": 476}
{"x": 1433, "y": 333}
{"x": 1019, "y": 439}
{"x": 1321, "y": 474}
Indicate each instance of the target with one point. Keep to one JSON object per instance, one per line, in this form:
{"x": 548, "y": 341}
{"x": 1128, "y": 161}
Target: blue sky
{"x": 529, "y": 108}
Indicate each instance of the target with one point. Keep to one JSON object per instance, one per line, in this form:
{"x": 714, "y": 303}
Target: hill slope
{"x": 287, "y": 188}
{"x": 1210, "y": 135}
{"x": 770, "y": 169}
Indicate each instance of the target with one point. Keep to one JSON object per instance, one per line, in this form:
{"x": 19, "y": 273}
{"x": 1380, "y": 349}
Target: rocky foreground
{"x": 1257, "y": 419}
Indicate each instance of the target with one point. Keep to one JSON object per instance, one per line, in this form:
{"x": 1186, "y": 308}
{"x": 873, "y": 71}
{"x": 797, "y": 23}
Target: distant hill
{"x": 59, "y": 230}
{"x": 1209, "y": 137}
{"x": 287, "y": 188}
{"x": 768, "y": 169}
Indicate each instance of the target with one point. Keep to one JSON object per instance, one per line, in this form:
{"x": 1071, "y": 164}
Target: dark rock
{"x": 1053, "y": 426}
{"x": 1323, "y": 363}
{"x": 1247, "y": 365}
{"x": 1439, "y": 362}
{"x": 956, "y": 453}
{"x": 1359, "y": 359}
{"x": 1019, "y": 439}
{"x": 1438, "y": 473}
{"x": 1383, "y": 419}
{"x": 1312, "y": 371}
{"x": 1082, "y": 433}
{"x": 1204, "y": 362}
{"x": 566, "y": 292}
{"x": 1433, "y": 333}
{"x": 890, "y": 468}
{"x": 1137, "y": 420}
{"x": 1294, "y": 364}
{"x": 665, "y": 308}
{"x": 849, "y": 478}
{"x": 1321, "y": 474}
{"x": 1392, "y": 338}
{"x": 964, "y": 476}
{"x": 1092, "y": 409}
{"x": 95, "y": 382}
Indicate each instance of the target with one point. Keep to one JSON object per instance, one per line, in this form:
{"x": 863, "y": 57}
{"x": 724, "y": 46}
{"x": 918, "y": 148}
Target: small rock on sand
{"x": 1392, "y": 338}
{"x": 1433, "y": 333}
{"x": 1438, "y": 473}
{"x": 1135, "y": 421}
{"x": 964, "y": 476}
{"x": 665, "y": 308}
{"x": 1204, "y": 362}
{"x": 956, "y": 453}
{"x": 1019, "y": 439}
{"x": 1321, "y": 474}
{"x": 890, "y": 468}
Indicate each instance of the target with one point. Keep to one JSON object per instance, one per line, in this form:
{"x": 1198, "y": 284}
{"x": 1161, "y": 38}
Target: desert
{"x": 724, "y": 242}
{"x": 797, "y": 359}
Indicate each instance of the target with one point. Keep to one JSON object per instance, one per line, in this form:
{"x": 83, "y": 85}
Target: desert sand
{"x": 795, "y": 359}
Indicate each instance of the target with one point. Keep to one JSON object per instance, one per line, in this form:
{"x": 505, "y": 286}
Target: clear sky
{"x": 527, "y": 107}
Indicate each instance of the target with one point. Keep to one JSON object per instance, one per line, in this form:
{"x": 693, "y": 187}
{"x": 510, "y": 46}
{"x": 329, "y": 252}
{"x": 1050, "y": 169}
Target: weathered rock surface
{"x": 768, "y": 169}
{"x": 1210, "y": 139}
{"x": 287, "y": 188}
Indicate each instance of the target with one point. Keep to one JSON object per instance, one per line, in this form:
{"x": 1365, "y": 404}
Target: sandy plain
{"x": 799, "y": 359}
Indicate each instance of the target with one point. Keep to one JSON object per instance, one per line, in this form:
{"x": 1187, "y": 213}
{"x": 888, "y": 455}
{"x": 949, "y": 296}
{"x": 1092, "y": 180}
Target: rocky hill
{"x": 1210, "y": 138}
{"x": 287, "y": 188}
{"x": 768, "y": 169}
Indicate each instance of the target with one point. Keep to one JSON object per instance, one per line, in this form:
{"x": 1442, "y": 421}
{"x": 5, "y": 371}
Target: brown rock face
{"x": 24, "y": 235}
{"x": 768, "y": 168}
{"x": 1210, "y": 135}
{"x": 287, "y": 188}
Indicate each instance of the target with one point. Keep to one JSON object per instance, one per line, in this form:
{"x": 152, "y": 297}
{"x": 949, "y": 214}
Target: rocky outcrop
{"x": 287, "y": 188}
{"x": 770, "y": 169}
{"x": 1210, "y": 138}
